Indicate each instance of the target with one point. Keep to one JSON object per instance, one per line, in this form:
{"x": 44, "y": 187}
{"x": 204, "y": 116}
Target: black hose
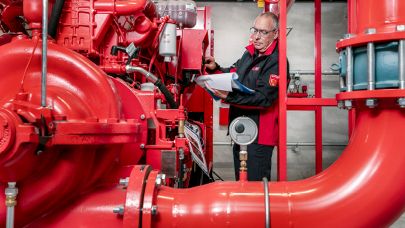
{"x": 167, "y": 94}
{"x": 55, "y": 16}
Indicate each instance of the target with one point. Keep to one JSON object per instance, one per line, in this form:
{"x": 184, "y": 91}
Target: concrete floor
{"x": 300, "y": 163}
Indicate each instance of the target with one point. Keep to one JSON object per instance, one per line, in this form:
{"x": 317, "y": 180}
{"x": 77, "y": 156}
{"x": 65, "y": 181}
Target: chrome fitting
{"x": 348, "y": 104}
{"x": 401, "y": 102}
{"x": 124, "y": 182}
{"x": 371, "y": 103}
{"x": 11, "y": 193}
{"x": 153, "y": 210}
{"x": 370, "y": 31}
{"x": 119, "y": 210}
{"x": 160, "y": 179}
{"x": 400, "y": 28}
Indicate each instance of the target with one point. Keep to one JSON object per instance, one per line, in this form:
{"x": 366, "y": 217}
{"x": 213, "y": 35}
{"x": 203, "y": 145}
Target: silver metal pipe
{"x": 266, "y": 201}
{"x": 10, "y": 217}
{"x": 371, "y": 66}
{"x": 11, "y": 200}
{"x": 151, "y": 77}
{"x": 311, "y": 72}
{"x": 218, "y": 143}
{"x": 401, "y": 64}
{"x": 44, "y": 51}
{"x": 349, "y": 69}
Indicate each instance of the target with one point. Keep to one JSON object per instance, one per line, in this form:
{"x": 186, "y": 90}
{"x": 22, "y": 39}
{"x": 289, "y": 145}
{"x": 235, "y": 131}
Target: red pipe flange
{"x": 7, "y": 131}
{"x": 134, "y": 197}
{"x": 14, "y": 147}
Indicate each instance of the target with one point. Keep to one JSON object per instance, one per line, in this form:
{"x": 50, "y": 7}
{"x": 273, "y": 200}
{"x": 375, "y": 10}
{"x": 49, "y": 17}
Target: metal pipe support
{"x": 44, "y": 51}
{"x": 401, "y": 64}
{"x": 11, "y": 195}
{"x": 371, "y": 66}
{"x": 349, "y": 75}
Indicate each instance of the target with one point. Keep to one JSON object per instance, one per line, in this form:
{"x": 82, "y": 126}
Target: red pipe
{"x": 282, "y": 94}
{"x": 348, "y": 194}
{"x": 274, "y": 7}
{"x": 94, "y": 210}
{"x": 318, "y": 86}
{"x": 119, "y": 7}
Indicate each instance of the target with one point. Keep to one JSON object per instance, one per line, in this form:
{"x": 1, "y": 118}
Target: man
{"x": 258, "y": 70}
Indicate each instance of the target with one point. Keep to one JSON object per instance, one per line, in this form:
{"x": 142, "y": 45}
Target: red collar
{"x": 251, "y": 48}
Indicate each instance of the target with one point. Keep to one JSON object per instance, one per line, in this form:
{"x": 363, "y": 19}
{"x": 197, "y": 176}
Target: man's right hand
{"x": 210, "y": 63}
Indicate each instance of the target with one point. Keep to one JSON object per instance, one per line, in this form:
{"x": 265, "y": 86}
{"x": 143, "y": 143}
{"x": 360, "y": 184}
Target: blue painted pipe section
{"x": 386, "y": 63}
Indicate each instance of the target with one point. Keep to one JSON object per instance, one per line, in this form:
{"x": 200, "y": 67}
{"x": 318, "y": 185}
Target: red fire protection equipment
{"x": 353, "y": 192}
{"x": 67, "y": 158}
{"x": 95, "y": 126}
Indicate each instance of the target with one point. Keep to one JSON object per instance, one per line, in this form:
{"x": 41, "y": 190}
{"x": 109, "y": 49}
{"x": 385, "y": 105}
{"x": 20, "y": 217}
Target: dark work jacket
{"x": 261, "y": 74}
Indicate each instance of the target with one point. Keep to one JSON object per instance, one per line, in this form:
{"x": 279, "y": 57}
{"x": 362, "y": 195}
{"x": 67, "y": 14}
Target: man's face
{"x": 264, "y": 33}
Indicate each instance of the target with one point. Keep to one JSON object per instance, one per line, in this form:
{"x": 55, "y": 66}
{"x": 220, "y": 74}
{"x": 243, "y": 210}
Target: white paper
{"x": 225, "y": 82}
{"x": 216, "y": 81}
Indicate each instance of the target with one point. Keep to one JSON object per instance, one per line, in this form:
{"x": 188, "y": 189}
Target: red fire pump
{"x": 66, "y": 141}
{"x": 118, "y": 92}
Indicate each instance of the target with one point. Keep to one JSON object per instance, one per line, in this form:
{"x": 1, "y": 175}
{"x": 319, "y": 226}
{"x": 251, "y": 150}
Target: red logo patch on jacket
{"x": 273, "y": 79}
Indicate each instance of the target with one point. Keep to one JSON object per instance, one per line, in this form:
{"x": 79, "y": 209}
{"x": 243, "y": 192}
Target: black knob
{"x": 115, "y": 49}
{"x": 239, "y": 128}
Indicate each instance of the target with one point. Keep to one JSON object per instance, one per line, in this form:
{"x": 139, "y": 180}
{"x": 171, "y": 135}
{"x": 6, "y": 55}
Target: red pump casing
{"x": 98, "y": 123}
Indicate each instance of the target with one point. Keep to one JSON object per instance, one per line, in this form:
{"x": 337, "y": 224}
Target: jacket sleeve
{"x": 220, "y": 69}
{"x": 266, "y": 93}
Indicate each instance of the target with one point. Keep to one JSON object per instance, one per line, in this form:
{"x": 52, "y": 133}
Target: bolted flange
{"x": 7, "y": 131}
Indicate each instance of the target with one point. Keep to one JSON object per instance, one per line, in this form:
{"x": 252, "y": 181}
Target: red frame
{"x": 302, "y": 104}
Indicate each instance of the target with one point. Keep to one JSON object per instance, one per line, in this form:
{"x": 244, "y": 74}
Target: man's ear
{"x": 276, "y": 34}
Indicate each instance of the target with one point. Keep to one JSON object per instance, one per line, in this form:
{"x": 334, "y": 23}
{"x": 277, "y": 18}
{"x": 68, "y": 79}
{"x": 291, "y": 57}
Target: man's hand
{"x": 219, "y": 93}
{"x": 210, "y": 63}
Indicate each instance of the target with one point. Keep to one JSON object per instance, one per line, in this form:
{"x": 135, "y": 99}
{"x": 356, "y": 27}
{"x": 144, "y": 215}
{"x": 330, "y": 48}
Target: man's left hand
{"x": 219, "y": 93}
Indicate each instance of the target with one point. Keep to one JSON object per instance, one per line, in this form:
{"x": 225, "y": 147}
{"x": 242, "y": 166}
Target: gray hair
{"x": 272, "y": 16}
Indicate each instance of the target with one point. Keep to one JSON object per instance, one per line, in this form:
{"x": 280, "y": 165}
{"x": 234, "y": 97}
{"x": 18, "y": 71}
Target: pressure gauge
{"x": 243, "y": 131}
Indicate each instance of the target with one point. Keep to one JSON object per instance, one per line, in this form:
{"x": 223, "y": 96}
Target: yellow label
{"x": 260, "y": 3}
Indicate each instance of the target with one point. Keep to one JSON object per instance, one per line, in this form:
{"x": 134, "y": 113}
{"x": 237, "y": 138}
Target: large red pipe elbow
{"x": 362, "y": 189}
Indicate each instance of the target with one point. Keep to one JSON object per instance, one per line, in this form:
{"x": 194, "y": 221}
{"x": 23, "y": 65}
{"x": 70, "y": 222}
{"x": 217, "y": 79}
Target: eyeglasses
{"x": 256, "y": 31}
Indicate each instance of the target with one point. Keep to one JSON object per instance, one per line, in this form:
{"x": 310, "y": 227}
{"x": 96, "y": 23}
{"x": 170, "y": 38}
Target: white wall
{"x": 231, "y": 22}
